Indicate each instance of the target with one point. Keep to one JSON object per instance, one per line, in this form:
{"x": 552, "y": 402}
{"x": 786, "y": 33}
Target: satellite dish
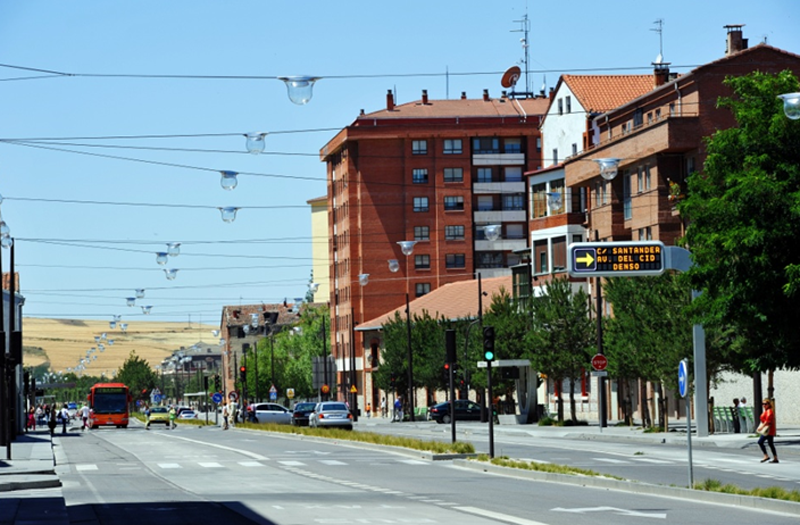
{"x": 510, "y": 77}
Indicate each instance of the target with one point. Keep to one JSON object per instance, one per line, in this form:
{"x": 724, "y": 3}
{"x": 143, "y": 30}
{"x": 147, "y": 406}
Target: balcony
{"x": 499, "y": 216}
{"x": 498, "y": 159}
{"x": 498, "y": 187}
{"x": 500, "y": 245}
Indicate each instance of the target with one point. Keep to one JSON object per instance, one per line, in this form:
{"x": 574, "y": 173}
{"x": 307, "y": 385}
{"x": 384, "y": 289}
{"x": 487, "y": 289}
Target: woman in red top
{"x": 767, "y": 420}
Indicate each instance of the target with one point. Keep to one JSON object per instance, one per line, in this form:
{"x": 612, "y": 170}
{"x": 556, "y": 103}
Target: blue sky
{"x": 81, "y": 260}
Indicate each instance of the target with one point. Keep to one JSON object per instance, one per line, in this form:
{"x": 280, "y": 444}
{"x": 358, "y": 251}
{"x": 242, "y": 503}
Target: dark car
{"x": 466, "y": 410}
{"x": 301, "y": 412}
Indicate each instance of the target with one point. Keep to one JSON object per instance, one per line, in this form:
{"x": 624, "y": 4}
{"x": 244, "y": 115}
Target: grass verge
{"x": 551, "y": 468}
{"x": 436, "y": 447}
{"x": 713, "y": 485}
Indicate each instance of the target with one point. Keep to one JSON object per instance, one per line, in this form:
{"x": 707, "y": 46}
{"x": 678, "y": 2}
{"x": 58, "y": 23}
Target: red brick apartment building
{"x": 432, "y": 171}
{"x": 659, "y": 139}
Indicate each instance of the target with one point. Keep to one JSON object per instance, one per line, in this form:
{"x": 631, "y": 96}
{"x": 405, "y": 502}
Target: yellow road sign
{"x": 353, "y": 389}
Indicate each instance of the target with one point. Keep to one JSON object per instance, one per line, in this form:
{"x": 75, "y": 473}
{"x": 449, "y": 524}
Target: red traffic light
{"x": 242, "y": 369}
{"x": 447, "y": 366}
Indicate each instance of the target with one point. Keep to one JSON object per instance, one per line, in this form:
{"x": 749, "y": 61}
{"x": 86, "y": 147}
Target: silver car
{"x": 271, "y": 413}
{"x": 331, "y": 414}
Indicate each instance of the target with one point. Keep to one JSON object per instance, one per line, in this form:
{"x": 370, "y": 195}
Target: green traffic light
{"x": 489, "y": 356}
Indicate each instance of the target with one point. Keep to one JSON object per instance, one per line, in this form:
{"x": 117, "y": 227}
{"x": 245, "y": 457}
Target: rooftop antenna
{"x": 525, "y": 27}
{"x": 660, "y": 30}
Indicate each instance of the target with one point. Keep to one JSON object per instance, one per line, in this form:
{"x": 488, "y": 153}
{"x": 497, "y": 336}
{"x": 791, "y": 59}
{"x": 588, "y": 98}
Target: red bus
{"x": 108, "y": 404}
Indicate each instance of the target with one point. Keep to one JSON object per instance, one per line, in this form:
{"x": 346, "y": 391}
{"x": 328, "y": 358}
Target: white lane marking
{"x": 616, "y": 461}
{"x": 496, "y": 516}
{"x": 332, "y": 462}
{"x": 251, "y": 455}
{"x": 169, "y": 465}
{"x": 209, "y": 464}
{"x": 292, "y": 463}
{"x": 615, "y": 510}
{"x": 250, "y": 464}
{"x": 85, "y": 467}
{"x": 656, "y": 461}
{"x": 414, "y": 462}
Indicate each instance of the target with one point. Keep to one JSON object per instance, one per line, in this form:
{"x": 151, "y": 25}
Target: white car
{"x": 331, "y": 414}
{"x": 187, "y": 414}
{"x": 271, "y": 413}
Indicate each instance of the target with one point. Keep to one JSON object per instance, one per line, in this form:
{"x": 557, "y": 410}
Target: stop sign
{"x": 599, "y": 362}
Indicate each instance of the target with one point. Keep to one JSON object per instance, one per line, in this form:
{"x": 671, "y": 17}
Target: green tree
{"x": 648, "y": 335}
{"x": 137, "y": 374}
{"x": 743, "y": 213}
{"x": 560, "y": 342}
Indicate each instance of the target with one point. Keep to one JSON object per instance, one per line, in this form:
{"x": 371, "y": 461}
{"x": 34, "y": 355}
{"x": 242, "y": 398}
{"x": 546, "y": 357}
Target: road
{"x": 647, "y": 460}
{"x": 194, "y": 475}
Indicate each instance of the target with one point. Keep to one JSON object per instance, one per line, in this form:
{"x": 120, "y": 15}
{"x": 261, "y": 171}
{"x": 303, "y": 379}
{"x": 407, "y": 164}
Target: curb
{"x": 717, "y": 498}
{"x": 29, "y": 481}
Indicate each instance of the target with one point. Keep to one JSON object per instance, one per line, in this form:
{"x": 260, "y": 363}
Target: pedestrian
{"x": 51, "y": 421}
{"x": 232, "y": 414}
{"x": 39, "y": 414}
{"x": 767, "y": 431}
{"x": 146, "y": 417}
{"x": 31, "y": 423}
{"x": 172, "y": 415}
{"x": 369, "y": 409}
{"x": 225, "y": 416}
{"x": 737, "y": 427}
{"x": 64, "y": 419}
{"x": 383, "y": 407}
{"x": 743, "y": 402}
{"x": 85, "y": 416}
{"x": 398, "y": 410}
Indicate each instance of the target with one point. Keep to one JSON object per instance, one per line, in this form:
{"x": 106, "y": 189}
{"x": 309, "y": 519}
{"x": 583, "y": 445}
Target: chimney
{"x": 424, "y": 96}
{"x": 660, "y": 73}
{"x": 735, "y": 41}
{"x": 389, "y": 100}
{"x": 486, "y": 95}
{"x": 463, "y": 95}
{"x": 552, "y": 93}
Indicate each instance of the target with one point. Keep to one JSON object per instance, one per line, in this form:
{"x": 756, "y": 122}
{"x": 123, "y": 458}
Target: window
{"x": 627, "y": 208}
{"x": 420, "y": 176}
{"x": 513, "y": 145}
{"x": 638, "y": 117}
{"x": 485, "y": 203}
{"x": 453, "y": 175}
{"x": 574, "y": 149}
{"x": 569, "y": 104}
{"x": 455, "y": 260}
{"x": 540, "y": 257}
{"x": 513, "y": 202}
{"x": 559, "y": 245}
{"x": 486, "y": 145}
{"x": 454, "y": 203}
{"x": 645, "y": 234}
{"x": 538, "y": 143}
{"x": 538, "y": 201}
{"x": 422, "y": 262}
{"x": 419, "y": 147}
{"x": 658, "y": 114}
{"x": 555, "y": 197}
{"x": 555, "y": 155}
{"x": 560, "y": 106}
{"x": 420, "y": 204}
{"x": 421, "y": 289}
{"x": 454, "y": 233}
{"x": 513, "y": 174}
{"x": 643, "y": 178}
{"x": 672, "y": 109}
{"x": 515, "y": 231}
{"x": 484, "y": 174}
{"x": 480, "y": 233}
{"x": 422, "y": 233}
{"x": 600, "y": 195}
{"x": 452, "y": 146}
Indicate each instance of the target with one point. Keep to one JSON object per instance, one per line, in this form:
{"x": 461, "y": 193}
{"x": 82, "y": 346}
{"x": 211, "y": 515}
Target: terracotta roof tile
{"x": 494, "y": 107}
{"x": 453, "y": 301}
{"x": 601, "y": 93}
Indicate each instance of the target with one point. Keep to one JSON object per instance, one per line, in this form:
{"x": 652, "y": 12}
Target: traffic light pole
{"x": 491, "y": 408}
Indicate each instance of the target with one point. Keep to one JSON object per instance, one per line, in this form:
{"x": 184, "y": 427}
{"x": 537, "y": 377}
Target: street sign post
{"x": 615, "y": 259}
{"x": 683, "y": 387}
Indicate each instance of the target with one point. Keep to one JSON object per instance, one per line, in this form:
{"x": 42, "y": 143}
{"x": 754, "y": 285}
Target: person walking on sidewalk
{"x": 51, "y": 421}
{"x": 64, "y": 419}
{"x": 172, "y": 416}
{"x": 767, "y": 431}
{"x": 85, "y": 416}
{"x": 146, "y": 417}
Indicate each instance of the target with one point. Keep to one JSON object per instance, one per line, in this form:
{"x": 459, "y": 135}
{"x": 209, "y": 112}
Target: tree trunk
{"x": 646, "y": 421}
{"x": 572, "y": 410}
{"x": 560, "y": 402}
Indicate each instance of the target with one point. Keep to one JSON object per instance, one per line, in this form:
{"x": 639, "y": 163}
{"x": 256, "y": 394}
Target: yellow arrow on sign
{"x": 586, "y": 259}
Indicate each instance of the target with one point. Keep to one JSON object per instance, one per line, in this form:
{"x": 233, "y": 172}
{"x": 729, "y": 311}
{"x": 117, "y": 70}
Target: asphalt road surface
{"x": 206, "y": 475}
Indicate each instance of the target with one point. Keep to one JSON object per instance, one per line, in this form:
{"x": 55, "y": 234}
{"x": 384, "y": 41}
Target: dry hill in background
{"x": 65, "y": 341}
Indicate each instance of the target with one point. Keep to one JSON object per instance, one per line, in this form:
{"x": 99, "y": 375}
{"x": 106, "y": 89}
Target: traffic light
{"x": 205, "y": 383}
{"x": 488, "y": 343}
{"x": 450, "y": 346}
{"x": 217, "y": 385}
{"x": 446, "y": 372}
{"x": 243, "y": 373}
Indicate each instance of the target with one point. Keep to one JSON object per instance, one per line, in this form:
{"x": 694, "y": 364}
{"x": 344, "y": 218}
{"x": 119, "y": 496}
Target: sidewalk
{"x": 32, "y": 466}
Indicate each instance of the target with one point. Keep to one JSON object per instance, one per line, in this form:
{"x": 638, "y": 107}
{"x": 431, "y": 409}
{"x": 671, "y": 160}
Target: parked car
{"x": 72, "y": 408}
{"x": 331, "y": 414}
{"x": 180, "y": 409}
{"x": 465, "y": 410}
{"x": 271, "y": 413}
{"x": 159, "y": 415}
{"x": 301, "y": 412}
{"x": 187, "y": 414}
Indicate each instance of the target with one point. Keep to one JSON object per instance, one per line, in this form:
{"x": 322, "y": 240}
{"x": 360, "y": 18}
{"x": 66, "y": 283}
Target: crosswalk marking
{"x": 250, "y": 464}
{"x": 615, "y": 461}
{"x": 85, "y": 467}
{"x": 332, "y": 462}
{"x": 413, "y": 462}
{"x": 169, "y": 465}
{"x": 656, "y": 461}
{"x": 209, "y": 465}
{"x": 292, "y": 463}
